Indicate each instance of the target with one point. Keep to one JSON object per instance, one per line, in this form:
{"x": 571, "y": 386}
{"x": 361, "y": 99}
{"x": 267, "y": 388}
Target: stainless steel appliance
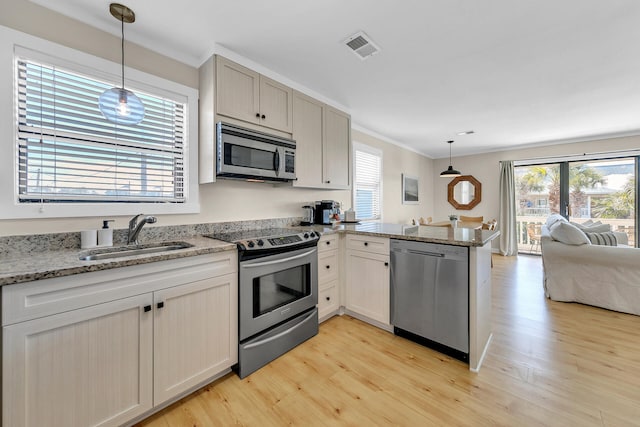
{"x": 251, "y": 155}
{"x": 325, "y": 209}
{"x": 308, "y": 217}
{"x": 430, "y": 295}
{"x": 277, "y": 293}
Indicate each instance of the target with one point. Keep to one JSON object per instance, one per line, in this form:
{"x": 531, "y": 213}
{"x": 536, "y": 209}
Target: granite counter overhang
{"x": 422, "y": 233}
{"x": 25, "y": 267}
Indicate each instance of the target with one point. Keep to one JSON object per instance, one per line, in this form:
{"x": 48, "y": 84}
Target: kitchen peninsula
{"x": 478, "y": 241}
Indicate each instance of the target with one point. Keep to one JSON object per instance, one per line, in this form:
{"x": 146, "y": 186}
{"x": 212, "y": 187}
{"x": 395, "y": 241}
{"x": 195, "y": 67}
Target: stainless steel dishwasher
{"x": 430, "y": 295}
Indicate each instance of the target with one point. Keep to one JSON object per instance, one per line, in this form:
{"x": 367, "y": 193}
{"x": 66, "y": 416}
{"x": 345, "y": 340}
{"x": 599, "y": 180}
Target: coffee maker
{"x": 325, "y": 209}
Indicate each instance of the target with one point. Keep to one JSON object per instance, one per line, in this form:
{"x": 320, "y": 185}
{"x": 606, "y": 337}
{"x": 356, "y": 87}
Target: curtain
{"x": 508, "y": 233}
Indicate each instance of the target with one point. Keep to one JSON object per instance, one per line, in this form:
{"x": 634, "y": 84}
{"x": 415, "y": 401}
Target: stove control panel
{"x": 273, "y": 242}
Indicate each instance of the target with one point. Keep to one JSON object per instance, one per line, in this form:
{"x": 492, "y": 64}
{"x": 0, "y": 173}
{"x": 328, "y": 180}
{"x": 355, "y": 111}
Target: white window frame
{"x": 90, "y": 65}
{"x": 358, "y": 146}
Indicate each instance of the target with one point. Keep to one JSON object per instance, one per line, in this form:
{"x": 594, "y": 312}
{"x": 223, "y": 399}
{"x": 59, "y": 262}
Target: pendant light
{"x": 119, "y": 105}
{"x": 450, "y": 172}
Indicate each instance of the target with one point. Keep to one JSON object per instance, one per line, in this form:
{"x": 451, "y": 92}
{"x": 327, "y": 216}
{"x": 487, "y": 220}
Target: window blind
{"x": 68, "y": 152}
{"x": 367, "y": 184}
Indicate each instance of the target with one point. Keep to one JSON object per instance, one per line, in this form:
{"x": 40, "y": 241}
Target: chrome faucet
{"x": 135, "y": 227}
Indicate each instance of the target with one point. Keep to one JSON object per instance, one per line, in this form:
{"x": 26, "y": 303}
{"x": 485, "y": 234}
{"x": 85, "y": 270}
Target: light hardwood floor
{"x": 549, "y": 364}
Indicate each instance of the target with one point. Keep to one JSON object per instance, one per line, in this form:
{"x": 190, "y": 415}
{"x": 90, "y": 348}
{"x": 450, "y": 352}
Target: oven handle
{"x": 261, "y": 264}
{"x": 281, "y": 334}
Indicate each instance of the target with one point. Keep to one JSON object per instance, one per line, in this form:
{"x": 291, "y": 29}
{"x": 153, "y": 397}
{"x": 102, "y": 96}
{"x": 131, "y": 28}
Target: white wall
{"x": 486, "y": 169}
{"x": 395, "y": 162}
{"x": 224, "y": 200}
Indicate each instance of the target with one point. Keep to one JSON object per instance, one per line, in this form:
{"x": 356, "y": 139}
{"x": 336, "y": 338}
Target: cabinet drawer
{"x": 327, "y": 266}
{"x": 328, "y": 242}
{"x": 376, "y": 245}
{"x": 26, "y": 301}
{"x": 328, "y": 300}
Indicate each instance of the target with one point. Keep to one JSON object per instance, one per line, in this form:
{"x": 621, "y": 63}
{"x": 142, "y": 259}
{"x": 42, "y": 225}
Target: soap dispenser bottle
{"x": 105, "y": 234}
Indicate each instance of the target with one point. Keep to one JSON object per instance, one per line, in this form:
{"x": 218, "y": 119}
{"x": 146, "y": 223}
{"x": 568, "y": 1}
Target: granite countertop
{"x": 37, "y": 258}
{"x": 421, "y": 233}
{"x": 21, "y": 267}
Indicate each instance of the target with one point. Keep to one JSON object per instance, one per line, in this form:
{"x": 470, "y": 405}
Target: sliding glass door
{"x": 581, "y": 191}
{"x": 537, "y": 197}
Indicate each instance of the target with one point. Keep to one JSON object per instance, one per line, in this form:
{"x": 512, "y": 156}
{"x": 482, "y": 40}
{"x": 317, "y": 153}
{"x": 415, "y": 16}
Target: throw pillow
{"x": 606, "y": 239}
{"x": 554, "y": 218}
{"x": 594, "y": 227}
{"x": 568, "y": 234}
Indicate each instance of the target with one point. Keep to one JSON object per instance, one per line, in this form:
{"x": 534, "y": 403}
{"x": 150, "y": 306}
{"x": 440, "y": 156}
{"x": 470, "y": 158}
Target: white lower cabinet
{"x": 367, "y": 278}
{"x": 91, "y": 366}
{"x": 194, "y": 334}
{"x": 106, "y": 363}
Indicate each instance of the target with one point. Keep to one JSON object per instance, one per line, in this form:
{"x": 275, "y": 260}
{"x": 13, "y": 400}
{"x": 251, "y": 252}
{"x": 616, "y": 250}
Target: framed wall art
{"x": 410, "y": 190}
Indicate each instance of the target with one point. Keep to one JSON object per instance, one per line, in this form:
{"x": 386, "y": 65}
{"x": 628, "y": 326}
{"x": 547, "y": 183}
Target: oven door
{"x": 275, "y": 288}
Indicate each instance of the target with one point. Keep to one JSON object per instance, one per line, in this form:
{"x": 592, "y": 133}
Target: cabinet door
{"x": 308, "y": 132}
{"x": 367, "y": 285}
{"x": 336, "y": 149}
{"x": 276, "y": 105}
{"x": 195, "y": 334}
{"x": 91, "y": 366}
{"x": 237, "y": 91}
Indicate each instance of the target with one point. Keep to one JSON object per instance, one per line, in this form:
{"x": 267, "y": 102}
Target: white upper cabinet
{"x": 323, "y": 138}
{"x": 337, "y": 140}
{"x": 308, "y": 131}
{"x": 246, "y": 95}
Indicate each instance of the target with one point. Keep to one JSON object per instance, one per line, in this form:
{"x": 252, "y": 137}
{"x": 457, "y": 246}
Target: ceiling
{"x": 517, "y": 72}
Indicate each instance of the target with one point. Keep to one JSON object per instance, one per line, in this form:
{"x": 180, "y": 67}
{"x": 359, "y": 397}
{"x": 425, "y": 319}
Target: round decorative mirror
{"x": 464, "y": 192}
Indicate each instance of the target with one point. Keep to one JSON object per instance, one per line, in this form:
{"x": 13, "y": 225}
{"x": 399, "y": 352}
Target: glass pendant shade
{"x": 450, "y": 172}
{"x": 121, "y": 106}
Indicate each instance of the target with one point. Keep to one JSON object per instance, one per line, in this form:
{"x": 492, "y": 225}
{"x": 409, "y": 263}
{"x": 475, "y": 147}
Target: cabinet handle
{"x": 386, "y": 264}
{"x": 264, "y": 117}
{"x": 366, "y": 243}
{"x": 328, "y": 243}
{"x": 147, "y": 308}
{"x": 328, "y": 267}
{"x": 328, "y": 298}
{"x": 257, "y": 115}
{"x": 328, "y": 181}
{"x": 160, "y": 304}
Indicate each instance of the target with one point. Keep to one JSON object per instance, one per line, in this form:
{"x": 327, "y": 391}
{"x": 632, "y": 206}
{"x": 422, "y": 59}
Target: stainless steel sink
{"x": 123, "y": 251}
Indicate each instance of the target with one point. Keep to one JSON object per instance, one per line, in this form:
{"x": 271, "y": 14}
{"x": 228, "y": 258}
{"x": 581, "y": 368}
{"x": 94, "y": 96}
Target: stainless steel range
{"x": 278, "y": 292}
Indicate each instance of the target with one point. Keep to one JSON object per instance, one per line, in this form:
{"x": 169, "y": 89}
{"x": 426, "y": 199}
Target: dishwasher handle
{"x": 415, "y": 252}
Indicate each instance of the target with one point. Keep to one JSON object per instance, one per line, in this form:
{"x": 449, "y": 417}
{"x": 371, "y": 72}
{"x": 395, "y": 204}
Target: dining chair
{"x": 425, "y": 221}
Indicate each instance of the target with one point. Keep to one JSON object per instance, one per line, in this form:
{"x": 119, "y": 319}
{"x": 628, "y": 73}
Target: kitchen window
{"x": 70, "y": 161}
{"x": 68, "y": 152}
{"x": 367, "y": 188}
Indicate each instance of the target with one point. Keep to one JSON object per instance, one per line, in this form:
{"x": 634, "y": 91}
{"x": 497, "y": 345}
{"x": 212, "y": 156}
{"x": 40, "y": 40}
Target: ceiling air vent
{"x": 362, "y": 45}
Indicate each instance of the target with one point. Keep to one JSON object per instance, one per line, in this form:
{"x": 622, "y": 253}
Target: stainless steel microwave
{"x": 251, "y": 155}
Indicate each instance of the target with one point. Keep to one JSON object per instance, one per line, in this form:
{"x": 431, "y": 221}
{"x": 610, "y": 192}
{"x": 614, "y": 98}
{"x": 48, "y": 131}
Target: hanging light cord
{"x": 122, "y": 50}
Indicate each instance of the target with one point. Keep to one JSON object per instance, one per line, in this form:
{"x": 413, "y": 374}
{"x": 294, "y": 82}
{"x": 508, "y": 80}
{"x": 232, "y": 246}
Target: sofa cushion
{"x": 593, "y": 227}
{"x": 606, "y": 238}
{"x": 554, "y": 218}
{"x": 568, "y": 234}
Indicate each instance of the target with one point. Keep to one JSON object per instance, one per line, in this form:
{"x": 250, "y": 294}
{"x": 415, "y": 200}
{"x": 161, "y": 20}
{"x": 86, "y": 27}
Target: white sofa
{"x": 602, "y": 276}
